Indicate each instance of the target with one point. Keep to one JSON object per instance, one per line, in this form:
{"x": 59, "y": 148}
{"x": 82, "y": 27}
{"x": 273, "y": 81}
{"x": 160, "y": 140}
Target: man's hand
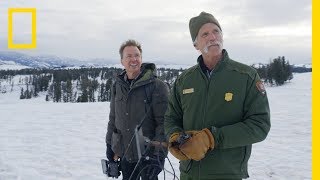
{"x": 198, "y": 144}
{"x": 112, "y": 166}
{"x": 109, "y": 153}
{"x": 174, "y": 147}
{"x": 113, "y": 169}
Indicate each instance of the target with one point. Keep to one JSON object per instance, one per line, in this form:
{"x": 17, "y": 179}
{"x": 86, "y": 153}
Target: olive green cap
{"x": 197, "y": 22}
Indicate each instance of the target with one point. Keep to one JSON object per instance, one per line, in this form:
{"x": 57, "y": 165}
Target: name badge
{"x": 188, "y": 91}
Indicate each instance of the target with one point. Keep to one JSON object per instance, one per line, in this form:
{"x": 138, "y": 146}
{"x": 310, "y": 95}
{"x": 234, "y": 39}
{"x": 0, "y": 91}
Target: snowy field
{"x": 65, "y": 141}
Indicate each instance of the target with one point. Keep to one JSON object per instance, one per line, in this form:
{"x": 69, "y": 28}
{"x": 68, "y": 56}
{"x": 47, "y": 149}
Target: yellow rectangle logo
{"x": 33, "y": 44}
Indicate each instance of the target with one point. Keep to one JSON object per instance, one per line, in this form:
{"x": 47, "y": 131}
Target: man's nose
{"x": 212, "y": 36}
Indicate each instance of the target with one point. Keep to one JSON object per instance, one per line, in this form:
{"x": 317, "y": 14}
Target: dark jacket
{"x": 130, "y": 105}
{"x": 232, "y": 103}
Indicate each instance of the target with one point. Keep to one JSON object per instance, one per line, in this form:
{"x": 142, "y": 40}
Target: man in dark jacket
{"x": 138, "y": 98}
{"x": 217, "y": 110}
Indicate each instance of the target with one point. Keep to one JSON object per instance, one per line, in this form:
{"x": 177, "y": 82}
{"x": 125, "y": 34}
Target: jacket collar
{"x": 147, "y": 74}
{"x": 218, "y": 66}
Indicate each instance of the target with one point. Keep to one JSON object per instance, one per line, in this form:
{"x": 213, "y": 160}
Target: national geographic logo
{"x": 33, "y": 43}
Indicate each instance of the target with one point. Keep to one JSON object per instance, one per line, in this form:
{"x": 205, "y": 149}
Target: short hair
{"x": 129, "y": 42}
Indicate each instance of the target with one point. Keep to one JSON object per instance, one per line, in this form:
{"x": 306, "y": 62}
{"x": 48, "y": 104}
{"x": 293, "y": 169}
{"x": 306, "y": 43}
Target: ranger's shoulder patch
{"x": 260, "y": 87}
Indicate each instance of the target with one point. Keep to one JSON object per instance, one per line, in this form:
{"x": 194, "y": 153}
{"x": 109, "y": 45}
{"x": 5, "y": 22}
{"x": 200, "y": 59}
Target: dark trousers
{"x": 127, "y": 169}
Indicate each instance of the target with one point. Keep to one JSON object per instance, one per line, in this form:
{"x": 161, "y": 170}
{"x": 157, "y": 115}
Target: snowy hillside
{"x": 11, "y": 65}
{"x": 42, "y": 140}
{"x": 48, "y": 61}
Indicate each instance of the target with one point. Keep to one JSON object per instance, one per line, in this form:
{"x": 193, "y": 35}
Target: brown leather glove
{"x": 197, "y": 146}
{"x": 174, "y": 149}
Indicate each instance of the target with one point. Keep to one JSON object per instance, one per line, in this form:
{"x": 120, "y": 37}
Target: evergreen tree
{"x": 69, "y": 91}
{"x": 57, "y": 91}
{"x": 278, "y": 71}
{"x": 22, "y": 96}
{"x": 28, "y": 93}
{"x": 101, "y": 96}
{"x": 50, "y": 92}
{"x": 12, "y": 85}
{"x": 64, "y": 92}
{"x": 108, "y": 90}
{"x": 84, "y": 90}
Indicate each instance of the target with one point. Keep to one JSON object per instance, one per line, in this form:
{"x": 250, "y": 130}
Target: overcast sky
{"x": 254, "y": 30}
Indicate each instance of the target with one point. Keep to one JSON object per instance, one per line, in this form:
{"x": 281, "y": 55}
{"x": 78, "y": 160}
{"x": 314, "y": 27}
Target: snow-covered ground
{"x": 42, "y": 140}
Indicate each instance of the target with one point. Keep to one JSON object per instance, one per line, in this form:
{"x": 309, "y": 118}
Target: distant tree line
{"x": 72, "y": 85}
{"x": 301, "y": 69}
{"x": 94, "y": 84}
{"x": 277, "y": 72}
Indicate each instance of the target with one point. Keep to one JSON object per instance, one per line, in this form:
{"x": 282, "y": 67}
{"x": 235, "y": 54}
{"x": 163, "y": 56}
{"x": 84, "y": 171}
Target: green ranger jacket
{"x": 232, "y": 102}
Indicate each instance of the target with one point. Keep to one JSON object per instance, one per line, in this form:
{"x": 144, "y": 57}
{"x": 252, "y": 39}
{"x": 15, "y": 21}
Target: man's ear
{"x": 122, "y": 62}
{"x": 195, "y": 46}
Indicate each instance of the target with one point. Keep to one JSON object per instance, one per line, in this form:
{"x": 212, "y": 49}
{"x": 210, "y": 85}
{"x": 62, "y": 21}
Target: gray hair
{"x": 195, "y": 41}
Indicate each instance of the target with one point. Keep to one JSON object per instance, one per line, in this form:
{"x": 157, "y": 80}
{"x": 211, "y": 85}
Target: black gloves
{"x": 113, "y": 166}
{"x": 155, "y": 166}
{"x": 109, "y": 153}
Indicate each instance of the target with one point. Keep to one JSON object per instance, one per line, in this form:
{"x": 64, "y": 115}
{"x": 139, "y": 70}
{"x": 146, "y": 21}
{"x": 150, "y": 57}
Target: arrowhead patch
{"x": 260, "y": 87}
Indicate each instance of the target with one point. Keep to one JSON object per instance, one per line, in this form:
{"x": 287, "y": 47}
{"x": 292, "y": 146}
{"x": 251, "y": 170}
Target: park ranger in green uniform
{"x": 217, "y": 109}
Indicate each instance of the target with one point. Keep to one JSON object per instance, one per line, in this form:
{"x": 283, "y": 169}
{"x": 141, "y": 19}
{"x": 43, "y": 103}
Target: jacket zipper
{"x": 207, "y": 81}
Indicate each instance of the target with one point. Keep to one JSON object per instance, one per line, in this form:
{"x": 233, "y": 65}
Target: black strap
{"x": 149, "y": 88}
